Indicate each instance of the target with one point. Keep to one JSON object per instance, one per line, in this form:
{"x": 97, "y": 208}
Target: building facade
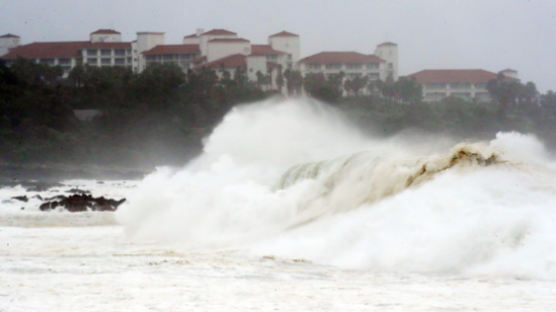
{"x": 470, "y": 84}
{"x": 104, "y": 48}
{"x": 354, "y": 64}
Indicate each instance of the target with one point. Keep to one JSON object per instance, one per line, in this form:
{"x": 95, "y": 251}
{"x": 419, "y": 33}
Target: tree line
{"x": 161, "y": 114}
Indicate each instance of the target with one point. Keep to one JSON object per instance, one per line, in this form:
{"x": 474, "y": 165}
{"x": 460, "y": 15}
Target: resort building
{"x": 183, "y": 55}
{"x": 104, "y": 48}
{"x": 465, "y": 83}
{"x": 216, "y": 47}
{"x": 382, "y": 65}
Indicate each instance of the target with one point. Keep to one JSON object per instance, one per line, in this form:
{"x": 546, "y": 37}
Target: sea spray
{"x": 293, "y": 179}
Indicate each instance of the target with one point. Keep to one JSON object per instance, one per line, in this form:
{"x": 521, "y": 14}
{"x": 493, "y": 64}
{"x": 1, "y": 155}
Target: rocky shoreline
{"x": 78, "y": 201}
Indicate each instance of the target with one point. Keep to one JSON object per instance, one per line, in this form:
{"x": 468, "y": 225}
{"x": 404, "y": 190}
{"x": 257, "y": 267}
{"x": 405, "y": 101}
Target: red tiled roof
{"x": 387, "y": 44}
{"x": 263, "y": 49}
{"x": 105, "y": 31}
{"x": 66, "y": 49}
{"x": 47, "y": 50}
{"x": 341, "y": 58}
{"x": 231, "y": 61}
{"x": 453, "y": 75}
{"x": 9, "y": 36}
{"x": 173, "y": 49}
{"x": 284, "y": 34}
{"x": 219, "y": 32}
{"x": 229, "y": 40}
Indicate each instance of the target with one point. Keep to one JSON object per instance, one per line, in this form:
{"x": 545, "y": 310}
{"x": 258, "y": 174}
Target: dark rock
{"x": 81, "y": 202}
{"x": 22, "y": 198}
{"x": 78, "y": 191}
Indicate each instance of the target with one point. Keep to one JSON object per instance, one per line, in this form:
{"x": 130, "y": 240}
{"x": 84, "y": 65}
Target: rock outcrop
{"x": 81, "y": 202}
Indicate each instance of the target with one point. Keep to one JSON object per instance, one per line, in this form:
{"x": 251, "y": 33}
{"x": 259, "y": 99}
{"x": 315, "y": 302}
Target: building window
{"x": 481, "y": 85}
{"x": 435, "y": 95}
{"x": 390, "y": 66}
{"x": 105, "y": 52}
{"x": 129, "y": 59}
{"x": 373, "y": 76}
{"x": 92, "y": 61}
{"x": 64, "y": 61}
{"x": 47, "y": 61}
{"x": 314, "y": 66}
{"x": 119, "y": 61}
{"x": 462, "y": 94}
{"x": 353, "y": 66}
{"x": 333, "y": 66}
{"x": 460, "y": 85}
{"x": 372, "y": 66}
{"x": 168, "y": 57}
{"x": 105, "y": 61}
{"x": 435, "y": 85}
{"x": 91, "y": 51}
{"x": 119, "y": 52}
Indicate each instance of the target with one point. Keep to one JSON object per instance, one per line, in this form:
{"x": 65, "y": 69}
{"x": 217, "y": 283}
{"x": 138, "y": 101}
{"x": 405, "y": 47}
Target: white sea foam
{"x": 293, "y": 179}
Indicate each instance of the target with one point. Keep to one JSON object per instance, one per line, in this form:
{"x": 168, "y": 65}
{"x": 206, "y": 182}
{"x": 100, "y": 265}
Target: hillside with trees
{"x": 159, "y": 116}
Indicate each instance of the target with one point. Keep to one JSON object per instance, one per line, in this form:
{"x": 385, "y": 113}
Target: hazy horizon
{"x": 491, "y": 35}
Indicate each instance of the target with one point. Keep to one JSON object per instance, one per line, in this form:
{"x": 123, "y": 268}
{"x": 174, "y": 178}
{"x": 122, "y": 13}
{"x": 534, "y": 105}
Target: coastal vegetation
{"x": 159, "y": 116}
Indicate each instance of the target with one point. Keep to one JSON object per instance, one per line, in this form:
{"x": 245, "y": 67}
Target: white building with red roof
{"x": 104, "y": 48}
{"x": 382, "y": 65}
{"x": 289, "y": 43}
{"x": 105, "y": 35}
{"x": 215, "y": 49}
{"x": 464, "y": 83}
{"x": 183, "y": 55}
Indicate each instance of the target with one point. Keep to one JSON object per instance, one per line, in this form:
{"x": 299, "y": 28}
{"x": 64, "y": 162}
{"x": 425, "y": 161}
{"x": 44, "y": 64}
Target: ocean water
{"x": 291, "y": 208}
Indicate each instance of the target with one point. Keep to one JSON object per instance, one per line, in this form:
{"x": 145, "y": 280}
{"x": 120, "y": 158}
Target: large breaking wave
{"x": 293, "y": 179}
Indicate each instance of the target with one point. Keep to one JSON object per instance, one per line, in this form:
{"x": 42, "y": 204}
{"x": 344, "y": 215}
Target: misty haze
{"x": 279, "y": 155}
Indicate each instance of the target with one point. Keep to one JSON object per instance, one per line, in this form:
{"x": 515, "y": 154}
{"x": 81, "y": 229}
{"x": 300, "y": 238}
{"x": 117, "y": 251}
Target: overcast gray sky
{"x": 488, "y": 34}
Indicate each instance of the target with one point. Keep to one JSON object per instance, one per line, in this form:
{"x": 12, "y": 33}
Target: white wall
{"x": 204, "y": 39}
{"x": 254, "y": 64}
{"x": 8, "y": 43}
{"x": 193, "y": 40}
{"x": 289, "y": 45}
{"x": 217, "y": 50}
{"x": 105, "y": 37}
{"x": 389, "y": 53}
{"x": 146, "y": 41}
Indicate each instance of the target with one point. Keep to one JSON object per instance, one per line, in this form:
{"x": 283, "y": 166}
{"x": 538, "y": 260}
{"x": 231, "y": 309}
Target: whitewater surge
{"x": 293, "y": 179}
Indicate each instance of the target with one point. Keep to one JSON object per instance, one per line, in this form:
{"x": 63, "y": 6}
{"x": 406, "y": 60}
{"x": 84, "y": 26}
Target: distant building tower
{"x": 206, "y": 37}
{"x": 510, "y": 73}
{"x": 388, "y": 51}
{"x": 287, "y": 42}
{"x": 146, "y": 40}
{"x": 7, "y": 42}
{"x": 105, "y": 35}
{"x": 194, "y": 38}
